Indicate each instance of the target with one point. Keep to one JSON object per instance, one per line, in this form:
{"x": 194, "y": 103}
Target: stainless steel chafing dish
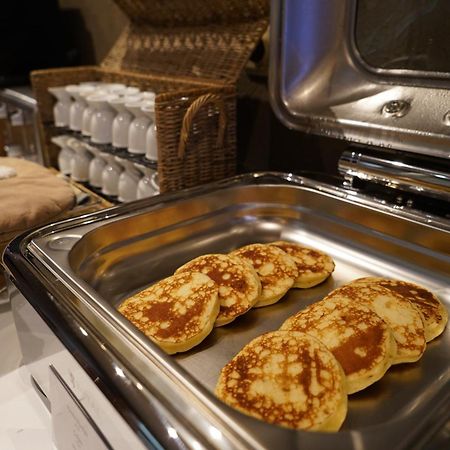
{"x": 389, "y": 217}
{"x": 70, "y": 276}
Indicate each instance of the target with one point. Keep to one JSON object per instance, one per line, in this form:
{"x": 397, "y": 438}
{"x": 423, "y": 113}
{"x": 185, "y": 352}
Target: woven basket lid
{"x": 207, "y": 40}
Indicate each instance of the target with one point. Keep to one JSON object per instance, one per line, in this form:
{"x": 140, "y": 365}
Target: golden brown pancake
{"x": 399, "y": 314}
{"x": 313, "y": 266}
{"x": 275, "y": 268}
{"x": 238, "y": 283}
{"x": 286, "y": 378}
{"x": 358, "y": 338}
{"x": 177, "y": 313}
{"x": 434, "y": 313}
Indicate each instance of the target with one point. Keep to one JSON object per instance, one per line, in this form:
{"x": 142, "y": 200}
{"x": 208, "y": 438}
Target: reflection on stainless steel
{"x": 319, "y": 84}
{"x": 404, "y": 35}
{"x": 124, "y": 249}
{"x": 394, "y": 172}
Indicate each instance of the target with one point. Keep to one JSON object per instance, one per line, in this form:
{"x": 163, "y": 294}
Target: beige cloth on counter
{"x": 33, "y": 197}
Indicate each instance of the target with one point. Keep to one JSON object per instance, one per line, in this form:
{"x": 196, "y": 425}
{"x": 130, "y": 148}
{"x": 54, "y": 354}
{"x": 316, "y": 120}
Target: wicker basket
{"x": 190, "y": 53}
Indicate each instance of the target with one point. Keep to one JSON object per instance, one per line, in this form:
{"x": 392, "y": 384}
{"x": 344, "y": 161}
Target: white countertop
{"x": 25, "y": 422}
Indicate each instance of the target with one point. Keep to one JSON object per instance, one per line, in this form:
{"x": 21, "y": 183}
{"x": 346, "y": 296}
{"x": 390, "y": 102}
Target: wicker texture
{"x": 212, "y": 53}
{"x": 200, "y": 144}
{"x": 190, "y": 53}
{"x": 192, "y": 13}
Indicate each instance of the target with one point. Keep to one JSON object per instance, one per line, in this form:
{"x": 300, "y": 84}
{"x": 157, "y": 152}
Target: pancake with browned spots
{"x": 358, "y": 338}
{"x": 177, "y": 313}
{"x": 286, "y": 378}
{"x": 275, "y": 268}
{"x": 238, "y": 283}
{"x": 404, "y": 320}
{"x": 313, "y": 266}
{"x": 434, "y": 313}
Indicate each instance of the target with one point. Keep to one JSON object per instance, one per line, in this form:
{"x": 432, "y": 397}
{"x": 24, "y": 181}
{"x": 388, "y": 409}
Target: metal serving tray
{"x": 88, "y": 265}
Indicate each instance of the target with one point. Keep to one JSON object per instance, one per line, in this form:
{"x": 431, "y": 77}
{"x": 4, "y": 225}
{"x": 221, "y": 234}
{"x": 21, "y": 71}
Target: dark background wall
{"x": 101, "y": 21}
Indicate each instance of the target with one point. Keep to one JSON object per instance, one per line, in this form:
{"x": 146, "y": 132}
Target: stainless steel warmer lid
{"x": 320, "y": 83}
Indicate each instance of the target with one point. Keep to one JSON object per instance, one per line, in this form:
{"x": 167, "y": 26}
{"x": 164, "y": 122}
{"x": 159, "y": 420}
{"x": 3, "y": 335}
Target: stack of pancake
{"x": 300, "y": 376}
{"x": 178, "y": 312}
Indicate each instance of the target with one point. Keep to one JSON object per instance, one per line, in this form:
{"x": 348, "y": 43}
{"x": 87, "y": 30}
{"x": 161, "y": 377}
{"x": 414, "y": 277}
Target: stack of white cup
{"x": 108, "y": 113}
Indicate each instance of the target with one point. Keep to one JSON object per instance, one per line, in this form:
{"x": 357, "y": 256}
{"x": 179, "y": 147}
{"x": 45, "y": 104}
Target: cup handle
{"x": 189, "y": 117}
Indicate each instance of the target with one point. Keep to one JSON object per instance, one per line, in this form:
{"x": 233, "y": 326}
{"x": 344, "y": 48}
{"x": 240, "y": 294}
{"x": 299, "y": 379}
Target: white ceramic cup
{"x": 110, "y": 175}
{"x": 89, "y": 110}
{"x": 65, "y": 154}
{"x": 96, "y": 84}
{"x": 151, "y": 145}
{"x": 122, "y": 121}
{"x": 148, "y": 184}
{"x": 79, "y": 166}
{"x": 148, "y": 95}
{"x": 138, "y": 128}
{"x": 96, "y": 167}
{"x": 102, "y": 118}
{"x": 128, "y": 180}
{"x": 61, "y": 109}
{"x": 127, "y": 90}
{"x": 112, "y": 88}
{"x": 78, "y": 105}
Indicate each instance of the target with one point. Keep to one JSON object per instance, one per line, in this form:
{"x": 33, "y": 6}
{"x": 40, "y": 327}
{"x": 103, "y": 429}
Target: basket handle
{"x": 190, "y": 114}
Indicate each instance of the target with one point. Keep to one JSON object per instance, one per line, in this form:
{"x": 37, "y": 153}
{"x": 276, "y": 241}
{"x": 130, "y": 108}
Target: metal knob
{"x": 395, "y": 108}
